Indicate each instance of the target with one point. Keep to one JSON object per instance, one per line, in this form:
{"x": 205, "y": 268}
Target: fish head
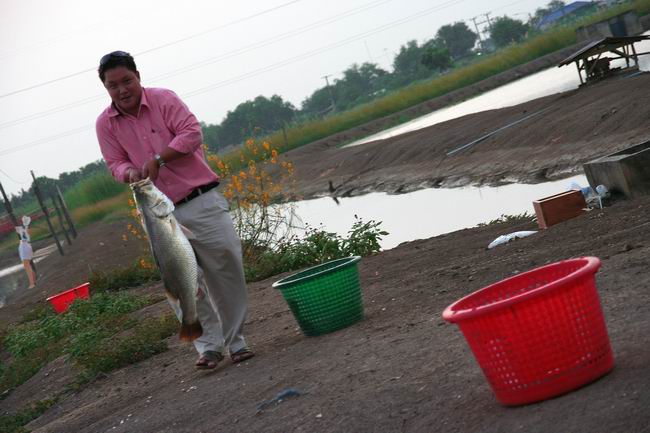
{"x": 150, "y": 199}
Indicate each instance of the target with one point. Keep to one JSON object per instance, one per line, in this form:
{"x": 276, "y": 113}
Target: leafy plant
{"x": 317, "y": 246}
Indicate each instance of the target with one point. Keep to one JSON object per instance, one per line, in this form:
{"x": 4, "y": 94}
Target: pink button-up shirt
{"x": 163, "y": 120}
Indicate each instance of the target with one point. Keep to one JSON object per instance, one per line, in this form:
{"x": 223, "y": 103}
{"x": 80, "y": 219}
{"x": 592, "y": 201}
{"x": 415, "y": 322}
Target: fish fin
{"x": 191, "y": 331}
{"x": 187, "y": 232}
{"x": 162, "y": 207}
{"x": 171, "y": 295}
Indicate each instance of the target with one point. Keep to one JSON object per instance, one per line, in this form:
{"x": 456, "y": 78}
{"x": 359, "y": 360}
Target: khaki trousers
{"x": 222, "y": 302}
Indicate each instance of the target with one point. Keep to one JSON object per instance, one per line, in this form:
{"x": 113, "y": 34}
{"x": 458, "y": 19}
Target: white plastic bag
{"x": 504, "y": 239}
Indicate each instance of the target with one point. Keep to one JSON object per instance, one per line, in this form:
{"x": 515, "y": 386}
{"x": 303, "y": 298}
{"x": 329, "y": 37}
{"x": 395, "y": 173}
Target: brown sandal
{"x": 241, "y": 355}
{"x": 209, "y": 360}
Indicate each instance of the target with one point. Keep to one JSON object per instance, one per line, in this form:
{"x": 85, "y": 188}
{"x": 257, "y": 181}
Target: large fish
{"x": 172, "y": 252}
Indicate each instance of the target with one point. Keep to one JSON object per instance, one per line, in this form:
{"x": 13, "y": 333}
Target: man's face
{"x": 124, "y": 87}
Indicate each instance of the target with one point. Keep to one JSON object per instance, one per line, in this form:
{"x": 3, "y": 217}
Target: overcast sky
{"x": 214, "y": 54}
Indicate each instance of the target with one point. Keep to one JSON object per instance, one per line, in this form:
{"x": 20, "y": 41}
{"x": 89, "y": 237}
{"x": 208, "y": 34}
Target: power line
{"x": 260, "y": 70}
{"x": 17, "y": 182}
{"x": 194, "y": 66}
{"x": 231, "y": 23}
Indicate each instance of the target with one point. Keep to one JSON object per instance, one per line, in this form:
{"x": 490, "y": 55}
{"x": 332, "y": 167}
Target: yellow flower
{"x": 266, "y": 146}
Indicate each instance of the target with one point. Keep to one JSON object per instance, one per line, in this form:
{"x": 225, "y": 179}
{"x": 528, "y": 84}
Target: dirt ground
{"x": 576, "y": 127}
{"x": 402, "y": 368}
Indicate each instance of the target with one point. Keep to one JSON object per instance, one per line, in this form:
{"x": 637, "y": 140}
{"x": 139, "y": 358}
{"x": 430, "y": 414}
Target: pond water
{"x": 14, "y": 278}
{"x": 547, "y": 82}
{"x": 428, "y": 212}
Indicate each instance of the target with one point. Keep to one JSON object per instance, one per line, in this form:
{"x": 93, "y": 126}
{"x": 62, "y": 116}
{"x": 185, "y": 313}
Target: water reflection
{"x": 429, "y": 212}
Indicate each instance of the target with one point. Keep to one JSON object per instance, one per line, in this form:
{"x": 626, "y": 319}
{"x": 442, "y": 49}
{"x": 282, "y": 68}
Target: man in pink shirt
{"x": 151, "y": 133}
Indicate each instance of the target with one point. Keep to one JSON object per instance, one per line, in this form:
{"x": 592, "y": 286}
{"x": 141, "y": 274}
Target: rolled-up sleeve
{"x": 182, "y": 123}
{"x": 115, "y": 156}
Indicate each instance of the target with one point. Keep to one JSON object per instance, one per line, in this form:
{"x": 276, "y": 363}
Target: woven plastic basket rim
{"x": 65, "y": 292}
{"x": 283, "y": 283}
{"x": 591, "y": 265}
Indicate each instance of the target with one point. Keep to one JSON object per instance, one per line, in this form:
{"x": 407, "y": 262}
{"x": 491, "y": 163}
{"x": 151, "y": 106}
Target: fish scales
{"x": 172, "y": 252}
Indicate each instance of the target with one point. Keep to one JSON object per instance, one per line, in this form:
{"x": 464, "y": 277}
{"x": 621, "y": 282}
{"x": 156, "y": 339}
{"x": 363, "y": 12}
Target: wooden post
{"x": 60, "y": 217}
{"x": 579, "y": 71}
{"x": 64, "y": 208}
{"x": 37, "y": 191}
{"x": 286, "y": 140}
{"x": 8, "y": 207}
{"x": 635, "y": 56}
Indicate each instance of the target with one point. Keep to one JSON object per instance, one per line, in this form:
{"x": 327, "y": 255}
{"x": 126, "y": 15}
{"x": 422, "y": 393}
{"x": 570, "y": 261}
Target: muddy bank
{"x": 575, "y": 127}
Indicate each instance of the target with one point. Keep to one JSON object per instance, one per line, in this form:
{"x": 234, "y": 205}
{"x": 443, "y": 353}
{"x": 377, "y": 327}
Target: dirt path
{"x": 400, "y": 369}
{"x": 576, "y": 127}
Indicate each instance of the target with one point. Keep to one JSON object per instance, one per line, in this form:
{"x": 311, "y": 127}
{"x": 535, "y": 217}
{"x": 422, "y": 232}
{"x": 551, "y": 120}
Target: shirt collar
{"x": 113, "y": 110}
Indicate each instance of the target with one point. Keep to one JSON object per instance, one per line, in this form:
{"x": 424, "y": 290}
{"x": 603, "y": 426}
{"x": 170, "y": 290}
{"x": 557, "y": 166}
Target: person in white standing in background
{"x": 25, "y": 250}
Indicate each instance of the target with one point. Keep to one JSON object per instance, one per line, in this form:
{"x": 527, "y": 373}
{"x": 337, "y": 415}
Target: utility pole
{"x": 329, "y": 90}
{"x": 478, "y": 33}
{"x": 487, "y": 19}
{"x": 39, "y": 197}
{"x": 368, "y": 51}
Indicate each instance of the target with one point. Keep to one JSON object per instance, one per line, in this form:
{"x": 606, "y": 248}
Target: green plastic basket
{"x": 326, "y": 297}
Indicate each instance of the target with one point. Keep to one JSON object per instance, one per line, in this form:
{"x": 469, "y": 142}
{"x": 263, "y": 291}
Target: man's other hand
{"x": 150, "y": 170}
{"x": 133, "y": 175}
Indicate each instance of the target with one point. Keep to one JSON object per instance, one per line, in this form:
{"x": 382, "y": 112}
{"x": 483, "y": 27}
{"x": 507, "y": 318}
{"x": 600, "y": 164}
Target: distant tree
{"x": 211, "y": 136}
{"x": 317, "y": 104}
{"x": 358, "y": 84}
{"x": 435, "y": 57}
{"x": 457, "y": 38}
{"x": 259, "y": 116}
{"x": 506, "y": 30}
{"x": 407, "y": 64}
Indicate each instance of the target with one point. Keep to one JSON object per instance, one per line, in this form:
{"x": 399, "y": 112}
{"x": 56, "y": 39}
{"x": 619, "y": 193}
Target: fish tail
{"x": 190, "y": 331}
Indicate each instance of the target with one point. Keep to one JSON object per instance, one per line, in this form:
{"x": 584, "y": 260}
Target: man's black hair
{"x": 114, "y": 60}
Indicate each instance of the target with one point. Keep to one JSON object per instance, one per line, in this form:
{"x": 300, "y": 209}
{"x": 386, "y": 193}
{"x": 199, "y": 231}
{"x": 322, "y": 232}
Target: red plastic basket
{"x": 61, "y": 301}
{"x": 538, "y": 334}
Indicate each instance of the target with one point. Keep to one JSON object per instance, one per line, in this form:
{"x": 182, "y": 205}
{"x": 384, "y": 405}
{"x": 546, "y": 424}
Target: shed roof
{"x": 601, "y": 46}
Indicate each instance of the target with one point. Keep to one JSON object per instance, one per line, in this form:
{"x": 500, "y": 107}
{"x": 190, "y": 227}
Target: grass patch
{"x": 97, "y": 334}
{"x": 140, "y": 342}
{"x": 123, "y": 277}
{"x": 94, "y": 189}
{"x": 98, "y": 211}
{"x": 15, "y": 423}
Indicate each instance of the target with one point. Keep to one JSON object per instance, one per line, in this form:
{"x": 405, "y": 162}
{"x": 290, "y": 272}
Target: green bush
{"x": 317, "y": 246}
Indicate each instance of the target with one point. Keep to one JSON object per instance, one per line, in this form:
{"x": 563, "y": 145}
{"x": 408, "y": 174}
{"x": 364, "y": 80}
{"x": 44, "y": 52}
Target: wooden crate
{"x": 559, "y": 207}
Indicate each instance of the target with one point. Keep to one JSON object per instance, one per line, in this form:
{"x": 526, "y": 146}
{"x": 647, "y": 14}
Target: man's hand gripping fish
{"x": 172, "y": 252}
